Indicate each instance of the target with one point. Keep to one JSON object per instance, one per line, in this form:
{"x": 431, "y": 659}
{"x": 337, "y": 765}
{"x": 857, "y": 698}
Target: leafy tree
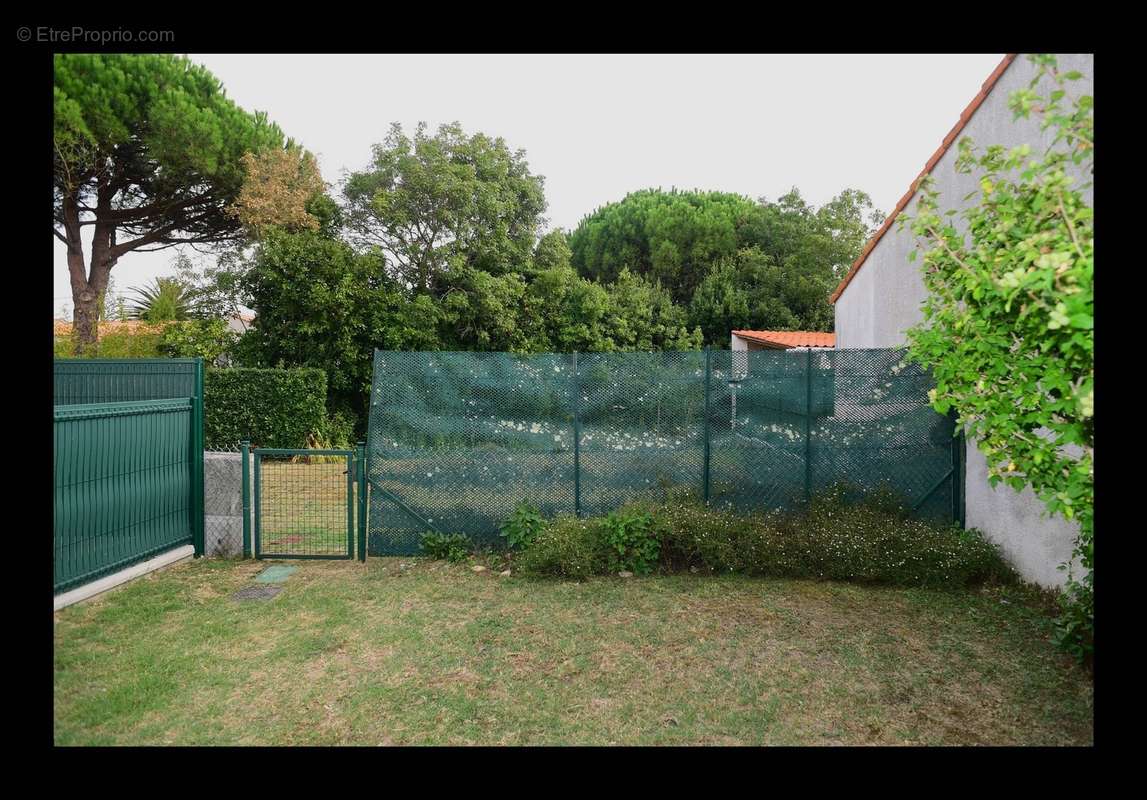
{"x": 277, "y": 191}
{"x": 111, "y": 305}
{"x": 552, "y": 250}
{"x": 706, "y": 249}
{"x": 215, "y": 289}
{"x": 1008, "y": 321}
{"x": 321, "y": 304}
{"x": 751, "y": 291}
{"x": 166, "y": 299}
{"x": 148, "y": 152}
{"x": 673, "y": 237}
{"x": 572, "y": 312}
{"x": 481, "y": 311}
{"x": 820, "y": 243}
{"x": 209, "y": 339}
{"x": 643, "y": 316}
{"x": 445, "y": 202}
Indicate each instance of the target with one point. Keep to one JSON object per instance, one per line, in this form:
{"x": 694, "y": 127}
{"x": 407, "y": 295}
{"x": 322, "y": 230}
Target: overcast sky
{"x": 598, "y": 127}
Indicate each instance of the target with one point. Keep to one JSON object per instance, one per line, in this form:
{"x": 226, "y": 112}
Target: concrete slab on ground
{"x": 275, "y": 574}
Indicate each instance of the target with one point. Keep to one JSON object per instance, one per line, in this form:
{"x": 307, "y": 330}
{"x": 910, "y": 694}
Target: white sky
{"x": 600, "y": 126}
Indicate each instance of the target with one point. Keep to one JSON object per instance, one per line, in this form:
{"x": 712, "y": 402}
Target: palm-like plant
{"x": 164, "y": 300}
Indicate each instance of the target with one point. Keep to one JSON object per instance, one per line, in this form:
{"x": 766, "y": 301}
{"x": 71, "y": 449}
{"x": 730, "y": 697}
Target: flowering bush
{"x": 567, "y": 548}
{"x": 870, "y": 540}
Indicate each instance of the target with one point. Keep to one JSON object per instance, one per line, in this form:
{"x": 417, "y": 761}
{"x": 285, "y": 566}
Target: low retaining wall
{"x": 123, "y": 576}
{"x": 223, "y": 504}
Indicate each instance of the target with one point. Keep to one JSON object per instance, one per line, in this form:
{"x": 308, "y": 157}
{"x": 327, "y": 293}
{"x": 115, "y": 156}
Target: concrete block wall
{"x": 223, "y": 504}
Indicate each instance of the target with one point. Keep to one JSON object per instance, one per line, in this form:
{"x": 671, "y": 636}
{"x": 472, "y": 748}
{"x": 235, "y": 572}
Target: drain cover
{"x": 276, "y": 574}
{"x": 257, "y": 593}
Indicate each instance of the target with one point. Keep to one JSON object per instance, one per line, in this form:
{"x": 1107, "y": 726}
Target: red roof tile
{"x": 966, "y": 115}
{"x": 786, "y": 339}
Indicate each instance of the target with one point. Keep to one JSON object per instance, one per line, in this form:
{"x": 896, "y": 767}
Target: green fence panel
{"x": 110, "y": 380}
{"x": 123, "y": 485}
{"x": 455, "y": 440}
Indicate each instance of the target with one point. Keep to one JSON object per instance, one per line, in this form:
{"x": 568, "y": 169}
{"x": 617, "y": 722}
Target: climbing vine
{"x": 1008, "y": 321}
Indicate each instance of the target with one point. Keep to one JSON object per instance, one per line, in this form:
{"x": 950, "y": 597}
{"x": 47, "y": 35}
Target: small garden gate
{"x": 306, "y": 503}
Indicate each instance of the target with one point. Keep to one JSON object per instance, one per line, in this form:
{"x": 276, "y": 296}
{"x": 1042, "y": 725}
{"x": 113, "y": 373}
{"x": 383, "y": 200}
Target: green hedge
{"x": 271, "y": 407}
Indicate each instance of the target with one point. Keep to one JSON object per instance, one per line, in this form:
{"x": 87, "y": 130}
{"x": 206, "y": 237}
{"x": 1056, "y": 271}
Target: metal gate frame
{"x": 355, "y": 475}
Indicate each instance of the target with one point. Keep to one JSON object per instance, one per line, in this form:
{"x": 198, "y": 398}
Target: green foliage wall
{"x": 271, "y": 407}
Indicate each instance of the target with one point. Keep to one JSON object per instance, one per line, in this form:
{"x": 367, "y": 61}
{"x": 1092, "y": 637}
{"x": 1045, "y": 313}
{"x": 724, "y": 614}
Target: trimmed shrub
{"x": 568, "y": 547}
{"x": 117, "y": 344}
{"x": 271, "y": 407}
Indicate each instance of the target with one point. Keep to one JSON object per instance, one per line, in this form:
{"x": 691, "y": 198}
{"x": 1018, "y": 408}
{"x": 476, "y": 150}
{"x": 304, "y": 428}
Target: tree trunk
{"x": 84, "y": 329}
{"x": 88, "y": 289}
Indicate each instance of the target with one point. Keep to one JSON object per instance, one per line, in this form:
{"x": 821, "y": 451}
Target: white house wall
{"x": 884, "y": 299}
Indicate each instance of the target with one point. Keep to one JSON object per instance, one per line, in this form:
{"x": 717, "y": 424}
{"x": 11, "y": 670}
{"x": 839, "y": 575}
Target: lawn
{"x": 409, "y": 651}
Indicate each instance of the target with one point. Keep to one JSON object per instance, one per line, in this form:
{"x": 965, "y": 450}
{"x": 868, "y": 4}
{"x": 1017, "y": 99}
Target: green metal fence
{"x": 128, "y": 463}
{"x": 115, "y": 380}
{"x": 456, "y": 439}
{"x": 123, "y": 485}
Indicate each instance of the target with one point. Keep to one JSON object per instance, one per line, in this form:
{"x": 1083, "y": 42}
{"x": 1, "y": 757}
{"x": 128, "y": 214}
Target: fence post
{"x": 577, "y": 437}
{"x": 197, "y": 461}
{"x": 362, "y": 502}
{"x": 245, "y": 448}
{"x": 708, "y": 372}
{"x": 808, "y": 426}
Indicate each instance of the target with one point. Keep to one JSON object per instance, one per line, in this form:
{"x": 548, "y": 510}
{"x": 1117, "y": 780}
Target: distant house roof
{"x": 786, "y": 339}
{"x": 982, "y": 95}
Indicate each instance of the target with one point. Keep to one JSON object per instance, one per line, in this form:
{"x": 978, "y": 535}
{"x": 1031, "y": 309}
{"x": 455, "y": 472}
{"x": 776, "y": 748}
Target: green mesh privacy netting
{"x": 457, "y": 439}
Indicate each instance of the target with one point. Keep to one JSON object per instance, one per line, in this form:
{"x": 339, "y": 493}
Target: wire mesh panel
{"x": 304, "y": 503}
{"x": 641, "y": 423}
{"x": 883, "y": 434}
{"x": 457, "y": 439}
{"x": 757, "y": 415}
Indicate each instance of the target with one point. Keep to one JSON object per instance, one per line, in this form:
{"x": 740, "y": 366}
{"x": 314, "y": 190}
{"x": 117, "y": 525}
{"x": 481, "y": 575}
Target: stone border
{"x": 89, "y": 590}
